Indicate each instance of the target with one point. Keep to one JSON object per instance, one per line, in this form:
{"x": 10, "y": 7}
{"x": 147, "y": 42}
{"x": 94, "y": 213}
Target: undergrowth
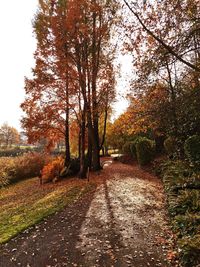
{"x": 182, "y": 184}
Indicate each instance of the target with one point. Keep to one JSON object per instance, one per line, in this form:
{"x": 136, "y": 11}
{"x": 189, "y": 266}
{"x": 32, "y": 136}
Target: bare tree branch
{"x": 167, "y": 47}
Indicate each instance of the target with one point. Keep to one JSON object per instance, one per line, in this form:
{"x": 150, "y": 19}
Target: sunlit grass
{"x": 26, "y": 203}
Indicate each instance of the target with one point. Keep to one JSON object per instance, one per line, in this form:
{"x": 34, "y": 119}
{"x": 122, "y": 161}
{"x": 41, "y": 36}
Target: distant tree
{"x": 23, "y": 138}
{"x": 9, "y": 135}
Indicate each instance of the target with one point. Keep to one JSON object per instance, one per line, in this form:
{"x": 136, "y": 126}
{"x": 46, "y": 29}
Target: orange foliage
{"x": 52, "y": 170}
{"x": 139, "y": 117}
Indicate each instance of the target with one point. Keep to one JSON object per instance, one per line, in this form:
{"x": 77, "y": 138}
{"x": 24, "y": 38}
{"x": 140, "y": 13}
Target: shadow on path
{"x": 50, "y": 243}
{"x": 115, "y": 226}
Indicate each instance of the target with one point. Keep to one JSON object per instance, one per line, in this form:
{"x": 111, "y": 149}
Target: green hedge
{"x": 145, "y": 149}
{"x": 133, "y": 146}
{"x": 126, "y": 149}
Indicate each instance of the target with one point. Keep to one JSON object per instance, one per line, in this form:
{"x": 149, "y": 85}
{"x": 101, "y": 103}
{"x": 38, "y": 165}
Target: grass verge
{"x": 27, "y": 203}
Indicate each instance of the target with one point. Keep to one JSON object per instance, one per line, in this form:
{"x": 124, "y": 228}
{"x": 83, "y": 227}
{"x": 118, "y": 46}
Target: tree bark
{"x": 83, "y": 167}
{"x": 95, "y": 131}
{"x": 104, "y": 127}
{"x": 67, "y": 143}
{"x": 89, "y": 153}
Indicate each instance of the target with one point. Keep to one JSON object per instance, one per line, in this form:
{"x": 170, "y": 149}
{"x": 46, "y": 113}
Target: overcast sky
{"x": 17, "y": 46}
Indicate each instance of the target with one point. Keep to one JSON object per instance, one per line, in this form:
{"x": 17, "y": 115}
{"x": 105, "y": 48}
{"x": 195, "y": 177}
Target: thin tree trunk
{"x": 104, "y": 127}
{"x": 173, "y": 98}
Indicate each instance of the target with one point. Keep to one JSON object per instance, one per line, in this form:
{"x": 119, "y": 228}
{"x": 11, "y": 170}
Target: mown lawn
{"x": 26, "y": 203}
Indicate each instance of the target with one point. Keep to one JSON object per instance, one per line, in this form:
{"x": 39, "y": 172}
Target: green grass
{"x": 27, "y": 203}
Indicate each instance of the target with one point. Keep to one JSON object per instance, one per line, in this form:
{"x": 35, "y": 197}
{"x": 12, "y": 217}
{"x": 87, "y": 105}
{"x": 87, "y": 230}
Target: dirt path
{"x": 121, "y": 224}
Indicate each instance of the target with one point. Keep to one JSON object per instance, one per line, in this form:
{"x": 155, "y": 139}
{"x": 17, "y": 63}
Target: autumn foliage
{"x": 73, "y": 79}
{"x": 52, "y": 170}
{"x": 14, "y": 169}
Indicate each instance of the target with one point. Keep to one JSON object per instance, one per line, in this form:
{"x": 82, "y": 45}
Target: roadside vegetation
{"x": 182, "y": 186}
{"x": 25, "y": 196}
{"x": 26, "y": 203}
{"x": 180, "y": 174}
{"x": 14, "y": 169}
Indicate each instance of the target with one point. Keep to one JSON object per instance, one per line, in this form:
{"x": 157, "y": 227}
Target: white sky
{"x": 17, "y": 45}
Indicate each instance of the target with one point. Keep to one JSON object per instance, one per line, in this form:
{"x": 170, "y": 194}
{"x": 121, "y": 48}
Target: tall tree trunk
{"x": 95, "y": 132}
{"x": 67, "y": 144}
{"x": 79, "y": 144}
{"x": 83, "y": 167}
{"x": 96, "y": 155}
{"x": 103, "y": 151}
{"x": 89, "y": 153}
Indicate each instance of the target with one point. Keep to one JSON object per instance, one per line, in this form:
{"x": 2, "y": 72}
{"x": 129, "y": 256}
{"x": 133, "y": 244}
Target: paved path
{"x": 121, "y": 224}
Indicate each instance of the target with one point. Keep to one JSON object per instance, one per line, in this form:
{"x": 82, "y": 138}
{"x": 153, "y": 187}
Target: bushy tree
{"x": 9, "y": 135}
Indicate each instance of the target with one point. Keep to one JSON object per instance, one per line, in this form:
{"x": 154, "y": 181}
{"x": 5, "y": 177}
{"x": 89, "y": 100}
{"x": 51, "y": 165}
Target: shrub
{"x": 177, "y": 175}
{"x": 153, "y": 148}
{"x": 192, "y": 149}
{"x": 190, "y": 250}
{"x": 22, "y": 167}
{"x": 133, "y": 146}
{"x": 135, "y": 142}
{"x": 52, "y": 170}
{"x": 187, "y": 224}
{"x": 14, "y": 151}
{"x": 159, "y": 141}
{"x": 126, "y": 149}
{"x": 187, "y": 201}
{"x": 72, "y": 169}
{"x": 144, "y": 150}
{"x": 182, "y": 184}
{"x": 170, "y": 145}
{"x": 7, "y": 167}
{"x": 30, "y": 165}
{"x": 133, "y": 150}
{"x": 10, "y": 152}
